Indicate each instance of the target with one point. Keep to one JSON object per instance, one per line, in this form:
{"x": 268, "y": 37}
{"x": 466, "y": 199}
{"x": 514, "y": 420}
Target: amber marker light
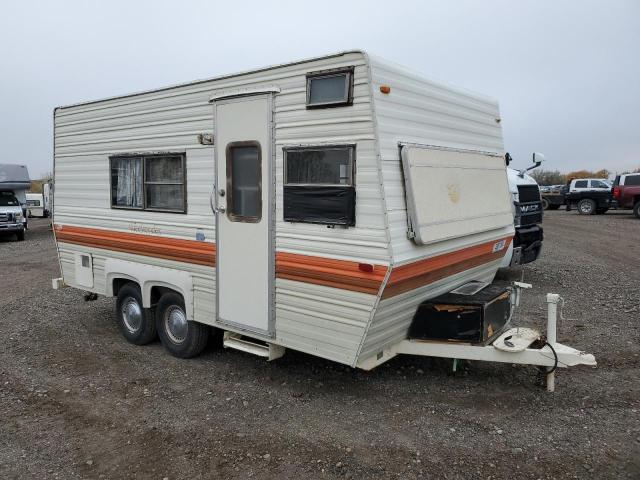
{"x": 385, "y": 89}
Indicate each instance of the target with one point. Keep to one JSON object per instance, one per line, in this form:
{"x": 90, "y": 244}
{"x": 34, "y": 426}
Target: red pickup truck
{"x": 626, "y": 192}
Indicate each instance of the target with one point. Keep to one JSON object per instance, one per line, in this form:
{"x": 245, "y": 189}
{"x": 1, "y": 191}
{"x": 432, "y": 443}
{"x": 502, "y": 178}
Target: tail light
{"x": 616, "y": 192}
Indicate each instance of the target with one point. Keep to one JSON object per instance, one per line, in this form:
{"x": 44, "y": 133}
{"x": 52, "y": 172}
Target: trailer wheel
{"x": 182, "y": 338}
{"x": 136, "y": 323}
{"x": 586, "y": 206}
{"x": 636, "y": 209}
{"x": 545, "y": 204}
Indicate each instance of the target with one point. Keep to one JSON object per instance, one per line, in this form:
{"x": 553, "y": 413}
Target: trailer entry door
{"x": 452, "y": 193}
{"x": 244, "y": 252}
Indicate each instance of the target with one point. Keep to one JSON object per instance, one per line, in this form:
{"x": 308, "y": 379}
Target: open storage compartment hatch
{"x": 447, "y": 192}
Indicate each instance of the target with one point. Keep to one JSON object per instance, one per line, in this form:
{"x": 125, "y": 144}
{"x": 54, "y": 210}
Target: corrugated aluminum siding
{"x": 421, "y": 111}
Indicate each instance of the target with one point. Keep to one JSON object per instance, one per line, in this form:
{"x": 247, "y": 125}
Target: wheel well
{"x": 118, "y": 283}
{"x": 158, "y": 291}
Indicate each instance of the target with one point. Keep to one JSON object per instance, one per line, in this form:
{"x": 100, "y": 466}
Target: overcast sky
{"x": 566, "y": 73}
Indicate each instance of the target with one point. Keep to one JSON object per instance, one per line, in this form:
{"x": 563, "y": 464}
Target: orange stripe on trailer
{"x": 189, "y": 251}
{"x": 423, "y": 272}
{"x": 343, "y": 274}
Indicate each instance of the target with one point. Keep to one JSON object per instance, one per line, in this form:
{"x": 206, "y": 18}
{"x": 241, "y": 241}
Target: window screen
{"x": 632, "y": 180}
{"x": 244, "y": 182}
{"x": 319, "y": 166}
{"x": 164, "y": 183}
{"x": 581, "y": 184}
{"x": 330, "y": 88}
{"x": 150, "y": 182}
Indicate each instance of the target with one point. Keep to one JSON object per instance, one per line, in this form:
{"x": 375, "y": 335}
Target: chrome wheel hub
{"x": 131, "y": 314}
{"x": 175, "y": 322}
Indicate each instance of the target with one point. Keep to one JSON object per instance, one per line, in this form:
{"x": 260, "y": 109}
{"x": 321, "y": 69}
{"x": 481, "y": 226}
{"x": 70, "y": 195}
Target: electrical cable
{"x": 555, "y": 359}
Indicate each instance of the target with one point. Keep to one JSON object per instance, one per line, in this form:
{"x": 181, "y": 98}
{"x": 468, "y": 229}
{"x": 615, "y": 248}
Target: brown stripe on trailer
{"x": 179, "y": 250}
{"x": 417, "y": 274}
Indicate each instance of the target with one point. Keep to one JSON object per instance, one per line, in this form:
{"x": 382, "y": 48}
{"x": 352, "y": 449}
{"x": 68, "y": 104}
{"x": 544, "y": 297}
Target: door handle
{"x": 221, "y": 209}
{"x": 212, "y": 200}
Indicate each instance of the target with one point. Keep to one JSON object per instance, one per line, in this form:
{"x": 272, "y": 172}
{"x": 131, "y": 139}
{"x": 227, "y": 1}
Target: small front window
{"x": 149, "y": 182}
{"x": 598, "y": 184}
{"x": 330, "y": 88}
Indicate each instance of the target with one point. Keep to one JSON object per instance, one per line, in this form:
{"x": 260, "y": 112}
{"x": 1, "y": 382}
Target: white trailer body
{"x": 362, "y": 193}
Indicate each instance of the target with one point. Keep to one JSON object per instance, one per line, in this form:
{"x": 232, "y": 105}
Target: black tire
{"x": 586, "y": 206}
{"x": 554, "y": 207}
{"x": 181, "y": 338}
{"x": 636, "y": 209}
{"x": 545, "y": 204}
{"x": 20, "y": 235}
{"x": 137, "y": 324}
{"x": 601, "y": 211}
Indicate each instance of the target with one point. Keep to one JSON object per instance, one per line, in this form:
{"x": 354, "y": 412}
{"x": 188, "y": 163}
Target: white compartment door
{"x": 452, "y": 193}
{"x": 244, "y": 251}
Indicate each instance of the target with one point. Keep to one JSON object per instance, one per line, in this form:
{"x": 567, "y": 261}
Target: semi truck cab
{"x": 527, "y": 217}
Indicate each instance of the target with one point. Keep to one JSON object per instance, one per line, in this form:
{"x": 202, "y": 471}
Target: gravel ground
{"x": 77, "y": 401}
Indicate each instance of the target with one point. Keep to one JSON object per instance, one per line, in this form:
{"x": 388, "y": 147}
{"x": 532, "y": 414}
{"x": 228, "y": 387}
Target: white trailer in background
{"x": 312, "y": 206}
{"x": 35, "y": 205}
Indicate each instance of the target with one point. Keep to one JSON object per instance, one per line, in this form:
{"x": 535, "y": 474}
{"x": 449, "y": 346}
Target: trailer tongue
{"x": 518, "y": 345}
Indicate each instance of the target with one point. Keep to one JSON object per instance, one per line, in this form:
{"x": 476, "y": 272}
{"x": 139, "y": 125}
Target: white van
{"x": 312, "y": 206}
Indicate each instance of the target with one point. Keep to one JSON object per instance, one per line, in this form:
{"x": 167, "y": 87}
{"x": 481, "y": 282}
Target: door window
{"x": 598, "y": 184}
{"x": 244, "y": 182}
{"x": 581, "y": 184}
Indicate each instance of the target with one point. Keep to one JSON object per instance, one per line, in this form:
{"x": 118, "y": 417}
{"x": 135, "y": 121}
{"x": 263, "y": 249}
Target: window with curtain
{"x": 149, "y": 182}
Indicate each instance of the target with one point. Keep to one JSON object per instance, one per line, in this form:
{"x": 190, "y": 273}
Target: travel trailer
{"x": 14, "y": 183}
{"x": 323, "y": 206}
{"x": 35, "y": 205}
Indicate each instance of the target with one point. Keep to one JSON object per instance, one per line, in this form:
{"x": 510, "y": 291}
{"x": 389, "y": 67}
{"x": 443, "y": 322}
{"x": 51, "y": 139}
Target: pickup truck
{"x": 626, "y": 192}
{"x": 589, "y": 195}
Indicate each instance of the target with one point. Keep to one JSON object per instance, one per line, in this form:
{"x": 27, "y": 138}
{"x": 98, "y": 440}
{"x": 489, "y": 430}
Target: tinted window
{"x": 319, "y": 166}
{"x": 581, "y": 184}
{"x": 330, "y": 88}
{"x": 244, "y": 182}
{"x": 599, "y": 184}
{"x": 632, "y": 180}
